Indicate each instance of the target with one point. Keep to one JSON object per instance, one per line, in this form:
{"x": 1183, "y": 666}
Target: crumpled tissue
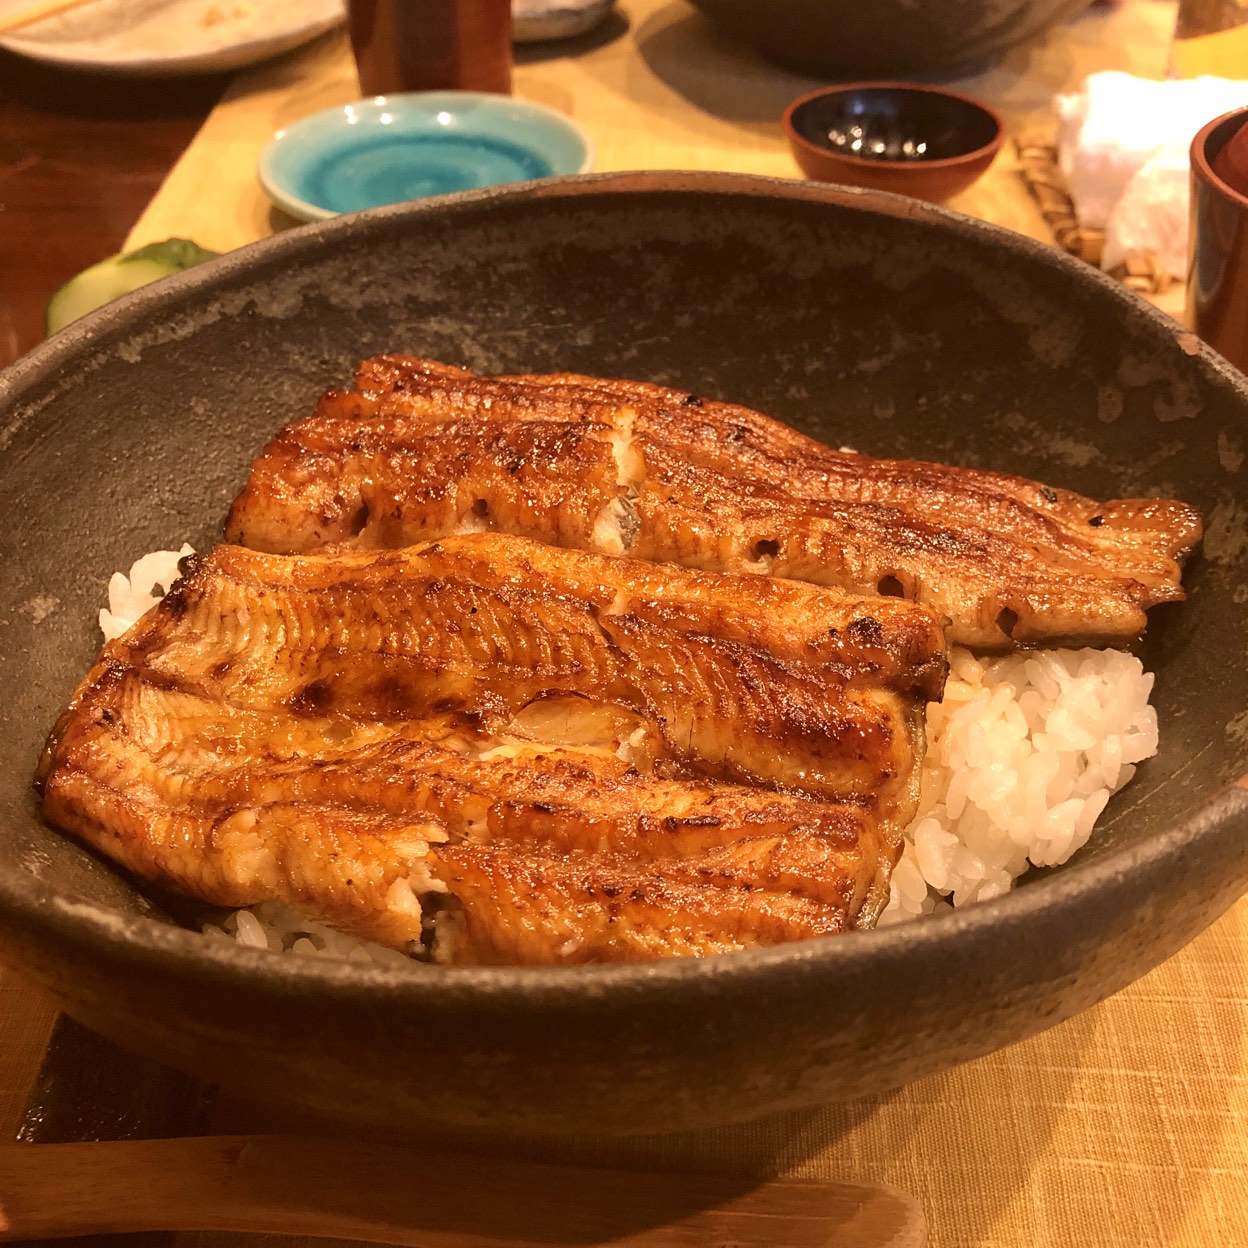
{"x": 1123, "y": 145}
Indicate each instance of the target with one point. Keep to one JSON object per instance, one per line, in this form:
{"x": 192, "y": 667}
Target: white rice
{"x": 1023, "y": 754}
{"x": 130, "y": 596}
{"x": 274, "y": 926}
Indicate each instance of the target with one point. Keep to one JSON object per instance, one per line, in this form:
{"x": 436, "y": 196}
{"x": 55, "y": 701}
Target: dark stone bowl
{"x": 844, "y": 39}
{"x": 862, "y": 318}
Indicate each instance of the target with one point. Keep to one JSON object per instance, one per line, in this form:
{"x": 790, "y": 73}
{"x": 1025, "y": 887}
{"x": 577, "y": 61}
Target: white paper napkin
{"x": 1123, "y": 147}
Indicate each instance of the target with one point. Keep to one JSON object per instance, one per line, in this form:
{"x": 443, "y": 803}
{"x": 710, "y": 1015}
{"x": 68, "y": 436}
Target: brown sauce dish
{"x": 893, "y": 136}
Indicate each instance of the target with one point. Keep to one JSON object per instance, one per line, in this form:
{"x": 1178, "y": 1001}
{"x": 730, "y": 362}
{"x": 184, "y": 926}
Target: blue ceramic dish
{"x": 394, "y": 148}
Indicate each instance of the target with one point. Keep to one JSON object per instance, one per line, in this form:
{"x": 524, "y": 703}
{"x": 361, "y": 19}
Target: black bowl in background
{"x": 893, "y": 136}
{"x": 844, "y": 39}
{"x": 863, "y": 319}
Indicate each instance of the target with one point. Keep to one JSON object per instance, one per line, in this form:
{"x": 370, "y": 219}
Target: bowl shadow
{"x": 714, "y": 72}
{"x": 883, "y": 1138}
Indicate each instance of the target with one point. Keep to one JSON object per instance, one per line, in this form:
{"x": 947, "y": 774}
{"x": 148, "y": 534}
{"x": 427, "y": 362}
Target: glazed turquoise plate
{"x": 394, "y": 148}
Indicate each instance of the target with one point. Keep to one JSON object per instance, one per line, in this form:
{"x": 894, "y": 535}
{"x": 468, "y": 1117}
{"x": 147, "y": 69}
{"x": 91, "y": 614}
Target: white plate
{"x": 157, "y": 37}
{"x": 535, "y": 21}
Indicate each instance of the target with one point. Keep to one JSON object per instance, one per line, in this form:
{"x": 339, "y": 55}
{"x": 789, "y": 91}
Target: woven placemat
{"x": 1037, "y": 156}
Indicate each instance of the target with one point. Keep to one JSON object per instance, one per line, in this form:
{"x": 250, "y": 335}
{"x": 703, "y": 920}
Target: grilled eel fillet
{"x": 419, "y": 450}
{"x": 578, "y": 757}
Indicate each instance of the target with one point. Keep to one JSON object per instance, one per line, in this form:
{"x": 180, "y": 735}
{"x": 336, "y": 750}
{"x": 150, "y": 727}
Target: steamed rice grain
{"x": 131, "y": 596}
{"x": 1024, "y": 752}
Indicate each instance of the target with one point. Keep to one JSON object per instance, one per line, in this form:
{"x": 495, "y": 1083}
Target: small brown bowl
{"x": 893, "y": 136}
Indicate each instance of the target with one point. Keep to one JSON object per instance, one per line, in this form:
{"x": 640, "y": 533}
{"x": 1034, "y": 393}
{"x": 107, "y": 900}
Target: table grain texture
{"x": 81, "y": 154}
{"x": 1127, "y": 1125}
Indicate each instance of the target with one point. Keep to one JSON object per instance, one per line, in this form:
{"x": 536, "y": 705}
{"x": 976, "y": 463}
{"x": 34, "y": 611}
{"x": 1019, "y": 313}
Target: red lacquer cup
{"x": 1217, "y": 270}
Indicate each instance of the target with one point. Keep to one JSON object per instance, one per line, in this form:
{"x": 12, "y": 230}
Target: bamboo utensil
{"x": 36, "y": 11}
{"x": 296, "y": 1185}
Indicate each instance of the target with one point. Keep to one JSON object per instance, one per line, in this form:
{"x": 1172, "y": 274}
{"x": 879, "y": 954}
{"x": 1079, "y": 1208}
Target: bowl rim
{"x": 1202, "y": 167}
{"x": 916, "y": 168}
{"x": 272, "y": 181}
{"x": 39, "y": 911}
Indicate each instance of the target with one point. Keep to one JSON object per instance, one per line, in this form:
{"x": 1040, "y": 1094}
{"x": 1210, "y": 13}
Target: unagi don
{"x": 420, "y": 450}
{"x": 492, "y": 750}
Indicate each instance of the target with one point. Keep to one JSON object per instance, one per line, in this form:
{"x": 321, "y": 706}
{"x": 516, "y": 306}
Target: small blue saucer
{"x": 400, "y": 147}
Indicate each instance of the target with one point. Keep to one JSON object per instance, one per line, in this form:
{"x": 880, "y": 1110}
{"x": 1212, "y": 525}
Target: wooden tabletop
{"x": 81, "y": 154}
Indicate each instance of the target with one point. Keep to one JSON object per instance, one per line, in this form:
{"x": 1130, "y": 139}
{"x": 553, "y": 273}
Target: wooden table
{"x": 80, "y": 157}
{"x": 1123, "y": 1126}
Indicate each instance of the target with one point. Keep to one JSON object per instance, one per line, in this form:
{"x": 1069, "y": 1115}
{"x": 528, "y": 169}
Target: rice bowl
{"x": 1070, "y": 379}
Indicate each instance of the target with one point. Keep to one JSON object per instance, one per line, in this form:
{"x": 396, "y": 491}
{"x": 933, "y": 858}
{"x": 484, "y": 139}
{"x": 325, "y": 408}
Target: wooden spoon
{"x": 293, "y": 1185}
{"x": 36, "y": 12}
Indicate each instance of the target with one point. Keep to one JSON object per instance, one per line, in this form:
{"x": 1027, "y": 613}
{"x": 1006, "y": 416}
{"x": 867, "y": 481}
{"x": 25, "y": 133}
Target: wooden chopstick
{"x": 36, "y": 11}
{"x": 423, "y": 1196}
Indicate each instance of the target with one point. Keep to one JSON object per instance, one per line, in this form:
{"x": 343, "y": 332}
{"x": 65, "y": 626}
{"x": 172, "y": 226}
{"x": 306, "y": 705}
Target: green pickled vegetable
{"x": 118, "y": 275}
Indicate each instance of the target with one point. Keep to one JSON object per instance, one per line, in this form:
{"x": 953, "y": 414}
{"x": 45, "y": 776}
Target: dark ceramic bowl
{"x": 862, "y": 318}
{"x": 886, "y": 38}
{"x": 893, "y": 136}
